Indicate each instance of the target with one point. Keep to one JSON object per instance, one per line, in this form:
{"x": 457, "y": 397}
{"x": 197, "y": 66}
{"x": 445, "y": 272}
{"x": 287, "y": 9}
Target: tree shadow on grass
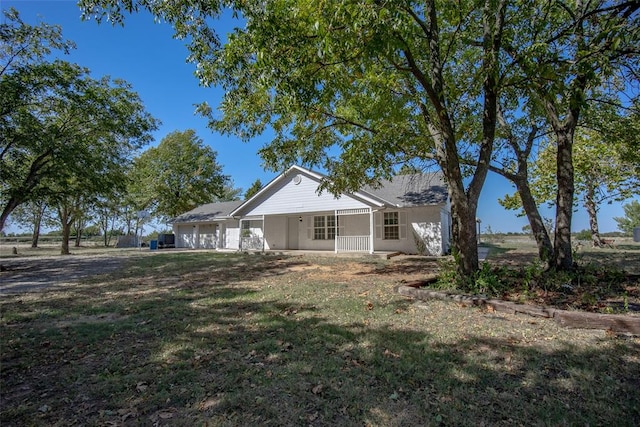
{"x": 405, "y": 266}
{"x": 217, "y": 353}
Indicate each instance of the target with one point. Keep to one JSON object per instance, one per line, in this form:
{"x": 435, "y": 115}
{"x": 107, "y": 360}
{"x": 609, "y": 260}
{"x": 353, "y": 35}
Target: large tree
{"x": 384, "y": 82}
{"x": 178, "y": 175}
{"x": 59, "y": 122}
{"x": 567, "y": 54}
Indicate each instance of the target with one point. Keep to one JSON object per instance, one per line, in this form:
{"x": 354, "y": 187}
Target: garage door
{"x": 184, "y": 237}
{"x": 207, "y": 238}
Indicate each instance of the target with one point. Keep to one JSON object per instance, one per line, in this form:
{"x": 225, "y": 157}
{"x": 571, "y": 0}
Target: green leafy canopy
{"x": 177, "y": 175}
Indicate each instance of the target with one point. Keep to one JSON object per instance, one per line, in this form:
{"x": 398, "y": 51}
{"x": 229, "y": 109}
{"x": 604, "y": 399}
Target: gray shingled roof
{"x": 208, "y": 212}
{"x": 412, "y": 190}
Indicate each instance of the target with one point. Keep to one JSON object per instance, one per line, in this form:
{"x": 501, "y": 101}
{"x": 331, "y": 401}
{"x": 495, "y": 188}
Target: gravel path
{"x": 28, "y": 274}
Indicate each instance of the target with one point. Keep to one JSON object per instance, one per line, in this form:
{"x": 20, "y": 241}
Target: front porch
{"x": 338, "y": 231}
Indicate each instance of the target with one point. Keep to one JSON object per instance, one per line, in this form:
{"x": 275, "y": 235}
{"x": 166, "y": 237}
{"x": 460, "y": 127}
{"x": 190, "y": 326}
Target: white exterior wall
{"x": 229, "y": 234}
{"x": 421, "y": 222}
{"x": 275, "y": 232}
{"x": 354, "y": 225}
{"x": 232, "y": 238}
{"x": 207, "y": 236}
{"x": 291, "y": 198}
{"x": 184, "y": 235}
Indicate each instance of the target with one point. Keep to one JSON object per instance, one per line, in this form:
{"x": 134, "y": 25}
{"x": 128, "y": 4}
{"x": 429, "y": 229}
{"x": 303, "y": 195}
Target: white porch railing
{"x": 353, "y": 243}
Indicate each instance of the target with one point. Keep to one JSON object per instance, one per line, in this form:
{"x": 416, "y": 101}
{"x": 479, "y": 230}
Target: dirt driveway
{"x": 28, "y": 274}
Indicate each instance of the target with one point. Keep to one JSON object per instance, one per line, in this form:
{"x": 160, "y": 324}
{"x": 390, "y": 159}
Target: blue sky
{"x": 145, "y": 54}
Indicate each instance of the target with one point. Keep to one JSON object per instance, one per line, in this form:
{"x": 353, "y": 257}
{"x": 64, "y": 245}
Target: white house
{"x": 409, "y": 214}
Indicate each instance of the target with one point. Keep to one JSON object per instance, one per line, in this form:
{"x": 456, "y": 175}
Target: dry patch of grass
{"x": 232, "y": 339}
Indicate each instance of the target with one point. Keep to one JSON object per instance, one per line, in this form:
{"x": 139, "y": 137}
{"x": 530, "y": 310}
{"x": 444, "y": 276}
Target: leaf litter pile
{"x": 235, "y": 339}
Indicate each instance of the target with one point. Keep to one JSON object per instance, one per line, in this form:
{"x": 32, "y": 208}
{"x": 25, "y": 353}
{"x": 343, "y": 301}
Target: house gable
{"x": 296, "y": 191}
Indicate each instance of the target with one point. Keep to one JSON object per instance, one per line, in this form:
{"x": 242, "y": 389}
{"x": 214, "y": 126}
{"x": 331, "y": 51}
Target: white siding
{"x": 291, "y": 198}
{"x": 275, "y": 232}
{"x": 416, "y": 218}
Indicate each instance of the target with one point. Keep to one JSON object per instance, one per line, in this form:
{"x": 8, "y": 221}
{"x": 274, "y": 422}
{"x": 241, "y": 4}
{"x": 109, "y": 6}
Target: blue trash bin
{"x": 153, "y": 245}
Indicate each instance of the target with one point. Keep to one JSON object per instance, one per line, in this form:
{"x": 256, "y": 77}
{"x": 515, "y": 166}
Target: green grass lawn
{"x": 231, "y": 339}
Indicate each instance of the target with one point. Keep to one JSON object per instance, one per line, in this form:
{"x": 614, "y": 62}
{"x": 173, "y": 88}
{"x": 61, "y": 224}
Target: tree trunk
{"x": 464, "y": 239}
{"x": 104, "y": 227}
{"x": 11, "y": 204}
{"x": 79, "y": 225}
{"x": 540, "y": 233}
{"x": 66, "y": 233}
{"x": 66, "y": 220}
{"x": 78, "y": 237}
{"x": 592, "y": 210}
{"x": 108, "y": 234}
{"x": 564, "y": 202}
{"x": 36, "y": 232}
{"x": 24, "y": 191}
{"x": 464, "y": 203}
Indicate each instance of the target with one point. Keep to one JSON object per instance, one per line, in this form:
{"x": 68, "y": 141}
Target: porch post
{"x": 371, "y": 231}
{"x": 240, "y": 234}
{"x": 264, "y": 233}
{"x": 335, "y": 231}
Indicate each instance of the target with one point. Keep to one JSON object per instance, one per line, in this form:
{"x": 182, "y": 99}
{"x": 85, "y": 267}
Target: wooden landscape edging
{"x": 618, "y": 323}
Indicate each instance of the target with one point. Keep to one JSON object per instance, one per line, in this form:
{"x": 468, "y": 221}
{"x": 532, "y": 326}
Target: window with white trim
{"x": 324, "y": 227}
{"x": 391, "y": 226}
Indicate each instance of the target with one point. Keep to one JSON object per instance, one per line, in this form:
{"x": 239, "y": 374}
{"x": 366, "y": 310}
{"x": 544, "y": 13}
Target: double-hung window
{"x": 324, "y": 227}
{"x": 391, "y": 226}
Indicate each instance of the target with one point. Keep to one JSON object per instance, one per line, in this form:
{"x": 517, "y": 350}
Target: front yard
{"x": 232, "y": 339}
